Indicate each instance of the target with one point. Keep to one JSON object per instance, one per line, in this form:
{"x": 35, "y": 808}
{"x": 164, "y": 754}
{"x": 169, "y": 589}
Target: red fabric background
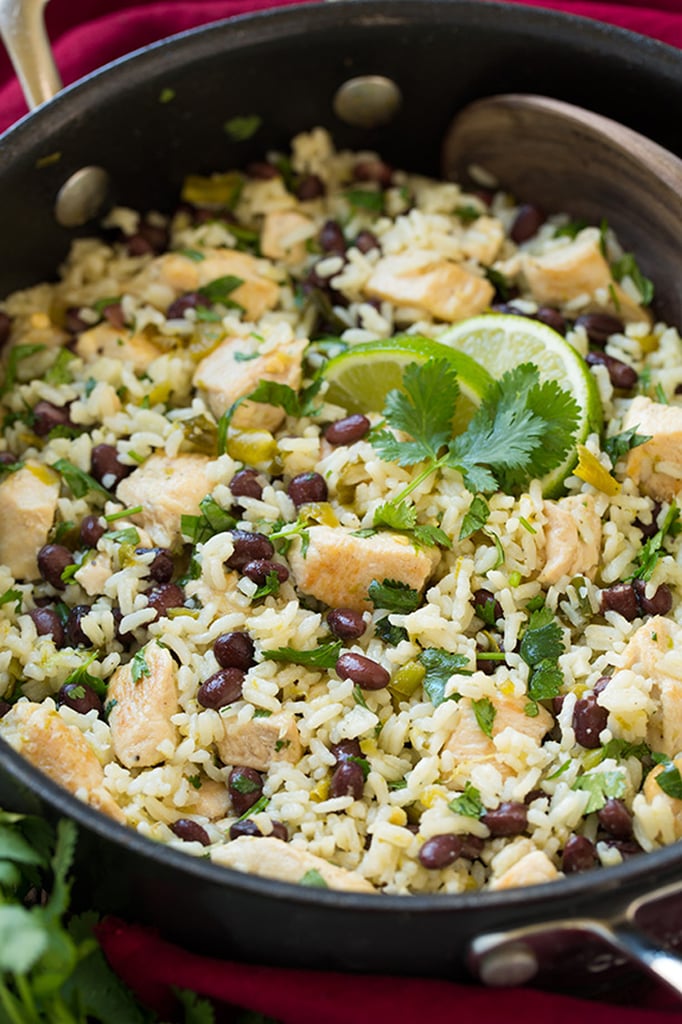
{"x": 87, "y": 34}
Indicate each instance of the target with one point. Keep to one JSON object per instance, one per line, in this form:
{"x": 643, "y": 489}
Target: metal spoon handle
{"x": 22, "y": 28}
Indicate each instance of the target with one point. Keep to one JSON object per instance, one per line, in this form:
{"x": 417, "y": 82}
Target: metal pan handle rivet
{"x": 367, "y": 101}
{"x": 81, "y": 197}
{"x": 514, "y": 964}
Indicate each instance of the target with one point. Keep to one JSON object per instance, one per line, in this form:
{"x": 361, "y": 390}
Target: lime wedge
{"x": 360, "y": 378}
{"x": 500, "y": 342}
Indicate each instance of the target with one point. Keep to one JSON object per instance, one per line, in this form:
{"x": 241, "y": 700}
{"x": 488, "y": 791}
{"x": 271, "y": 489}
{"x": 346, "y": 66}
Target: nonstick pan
{"x": 287, "y": 66}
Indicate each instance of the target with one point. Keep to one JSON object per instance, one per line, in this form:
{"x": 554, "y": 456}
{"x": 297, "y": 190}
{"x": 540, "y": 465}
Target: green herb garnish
{"x": 324, "y": 656}
{"x": 242, "y": 127}
{"x": 469, "y": 803}
{"x": 394, "y": 596}
{"x": 440, "y": 667}
{"x": 652, "y": 550}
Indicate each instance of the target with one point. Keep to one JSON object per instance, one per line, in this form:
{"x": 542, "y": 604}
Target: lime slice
{"x": 500, "y": 342}
{"x": 360, "y": 378}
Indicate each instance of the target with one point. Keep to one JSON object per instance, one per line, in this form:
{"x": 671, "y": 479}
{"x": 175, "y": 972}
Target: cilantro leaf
{"x": 440, "y": 667}
{"x": 366, "y": 199}
{"x": 271, "y": 586}
{"x": 571, "y": 230}
{"x": 652, "y": 550}
{"x": 390, "y": 634}
{"x": 324, "y": 656}
{"x": 60, "y": 372}
{"x": 220, "y": 289}
{"x": 81, "y": 677}
{"x": 139, "y": 666}
{"x": 469, "y": 803}
{"x": 314, "y": 879}
{"x": 485, "y": 713}
{"x": 475, "y": 518}
{"x": 78, "y": 482}
{"x": 542, "y": 638}
{"x": 213, "y": 519}
{"x": 621, "y": 444}
{"x": 294, "y": 403}
{"x": 627, "y": 266}
{"x": 431, "y": 536}
{"x": 11, "y": 596}
{"x": 600, "y": 786}
{"x": 424, "y": 410}
{"x": 545, "y": 680}
{"x": 670, "y": 781}
{"x": 242, "y": 127}
{"x": 620, "y": 749}
{"x": 394, "y": 596}
{"x": 17, "y": 355}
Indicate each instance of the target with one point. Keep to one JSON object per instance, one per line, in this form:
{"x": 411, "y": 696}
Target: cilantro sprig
{"x": 440, "y": 666}
{"x": 541, "y": 647}
{"x": 652, "y": 551}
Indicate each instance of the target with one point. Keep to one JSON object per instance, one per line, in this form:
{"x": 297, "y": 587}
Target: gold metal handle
{"x": 22, "y": 28}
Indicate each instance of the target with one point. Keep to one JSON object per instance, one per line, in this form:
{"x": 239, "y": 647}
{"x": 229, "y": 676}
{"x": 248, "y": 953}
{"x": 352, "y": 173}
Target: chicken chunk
{"x": 533, "y": 869}
{"x": 225, "y": 378}
{"x": 145, "y": 696}
{"x": 211, "y": 799}
{"x": 572, "y": 538}
{"x": 653, "y": 652}
{"x": 656, "y": 466}
{"x": 106, "y": 340}
{"x": 284, "y": 235}
{"x": 28, "y": 499}
{"x": 271, "y": 858}
{"x": 469, "y": 743}
{"x": 167, "y": 488}
{"x": 444, "y": 289}
{"x": 652, "y": 792}
{"x": 260, "y": 742}
{"x": 483, "y": 240}
{"x": 579, "y": 269}
{"x": 173, "y": 274}
{"x": 42, "y": 736}
{"x": 94, "y": 573}
{"x": 337, "y": 567}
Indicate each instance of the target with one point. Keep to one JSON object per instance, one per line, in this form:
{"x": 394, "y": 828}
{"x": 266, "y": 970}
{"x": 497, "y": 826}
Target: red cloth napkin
{"x": 87, "y": 34}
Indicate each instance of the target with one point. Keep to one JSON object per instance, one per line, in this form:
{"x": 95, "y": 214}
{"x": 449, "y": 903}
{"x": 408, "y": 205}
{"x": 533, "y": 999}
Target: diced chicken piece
{"x": 211, "y": 799}
{"x": 533, "y": 869}
{"x": 260, "y": 742}
{"x": 653, "y": 651}
{"x": 338, "y": 568}
{"x": 106, "y": 340}
{"x": 167, "y": 488}
{"x": 653, "y": 792}
{"x": 578, "y": 269}
{"x": 225, "y": 378}
{"x": 41, "y": 735}
{"x": 656, "y": 466}
{"x": 140, "y": 718}
{"x": 28, "y": 499}
{"x": 271, "y": 858}
{"x": 572, "y": 538}
{"x": 94, "y": 573}
{"x": 284, "y": 235}
{"x": 483, "y": 240}
{"x": 173, "y": 274}
{"x": 469, "y": 743}
{"x": 444, "y": 289}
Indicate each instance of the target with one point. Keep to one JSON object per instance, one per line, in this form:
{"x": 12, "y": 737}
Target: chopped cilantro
{"x": 123, "y": 513}
{"x": 560, "y": 770}
{"x": 467, "y": 213}
{"x": 366, "y": 199}
{"x": 324, "y": 656}
{"x": 541, "y": 647}
{"x": 531, "y": 709}
{"x": 600, "y": 786}
{"x": 243, "y": 784}
{"x": 314, "y": 879}
{"x": 469, "y": 803}
{"x": 651, "y": 551}
{"x": 17, "y": 355}
{"x": 475, "y": 518}
{"x": 127, "y": 536}
{"x": 359, "y": 698}
{"x": 220, "y": 289}
{"x": 394, "y": 596}
{"x": 256, "y": 808}
{"x": 293, "y": 402}
{"x": 139, "y": 666}
{"x": 394, "y": 784}
{"x": 499, "y": 283}
{"x": 440, "y": 667}
{"x": 670, "y": 781}
{"x": 196, "y": 255}
{"x": 621, "y": 444}
{"x": 392, "y": 635}
{"x": 213, "y": 519}
{"x": 242, "y": 127}
{"x": 11, "y": 596}
{"x": 81, "y": 677}
{"x": 271, "y": 586}
{"x": 627, "y": 266}
{"x": 245, "y": 357}
{"x": 571, "y": 230}
{"x": 195, "y": 781}
{"x": 78, "y": 482}
{"x": 60, "y": 372}
{"x": 363, "y": 763}
{"x": 485, "y": 713}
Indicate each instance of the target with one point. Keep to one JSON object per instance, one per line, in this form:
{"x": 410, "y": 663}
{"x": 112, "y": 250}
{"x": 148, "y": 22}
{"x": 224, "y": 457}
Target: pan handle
{"x": 22, "y": 28}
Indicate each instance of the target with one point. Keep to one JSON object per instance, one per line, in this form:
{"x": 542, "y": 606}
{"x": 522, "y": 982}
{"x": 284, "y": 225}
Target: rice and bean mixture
{"x": 204, "y": 633}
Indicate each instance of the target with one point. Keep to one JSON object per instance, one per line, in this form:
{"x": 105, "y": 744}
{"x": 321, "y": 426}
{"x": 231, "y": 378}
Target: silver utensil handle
{"x": 22, "y": 28}
{"x": 665, "y": 964}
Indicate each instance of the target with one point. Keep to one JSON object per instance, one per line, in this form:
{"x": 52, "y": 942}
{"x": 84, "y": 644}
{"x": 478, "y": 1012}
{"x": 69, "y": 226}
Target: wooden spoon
{"x": 563, "y": 158}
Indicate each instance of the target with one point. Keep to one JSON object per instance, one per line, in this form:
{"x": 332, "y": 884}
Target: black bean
{"x": 125, "y": 639}
{"x": 190, "y": 300}
{"x": 190, "y": 831}
{"x": 509, "y": 819}
{"x": 620, "y": 374}
{"x": 5, "y": 328}
{"x": 307, "y": 488}
{"x": 53, "y": 559}
{"x": 600, "y": 326}
{"x": 527, "y": 223}
{"x": 149, "y": 238}
{"x": 262, "y": 171}
{"x": 347, "y": 780}
{"x": 162, "y": 566}
{"x": 649, "y": 529}
{"x": 80, "y": 697}
{"x": 348, "y": 430}
{"x": 579, "y": 855}
{"x": 551, "y": 317}
{"x": 486, "y": 606}
{"x": 48, "y": 623}
{"x": 244, "y": 828}
{"x": 616, "y": 818}
{"x": 75, "y": 637}
{"x": 90, "y": 531}
{"x": 346, "y": 624}
{"x": 73, "y": 322}
{"x": 164, "y": 597}
{"x": 245, "y": 484}
{"x": 558, "y": 703}
{"x": 601, "y": 684}
{"x": 589, "y": 719}
{"x": 535, "y": 794}
{"x": 345, "y": 749}
{"x": 222, "y": 688}
{"x": 260, "y": 568}
{"x": 247, "y": 547}
{"x": 620, "y": 598}
{"x": 366, "y": 241}
{"x": 279, "y": 831}
{"x": 114, "y": 315}
{"x": 362, "y": 671}
{"x": 106, "y": 467}
{"x": 373, "y": 170}
{"x": 472, "y": 847}
{"x": 440, "y": 851}
{"x": 7, "y": 458}
{"x": 331, "y": 238}
{"x": 47, "y": 416}
{"x": 4, "y": 707}
{"x": 245, "y": 786}
{"x": 626, "y": 847}
{"x": 310, "y": 187}
{"x": 234, "y": 650}
{"x": 659, "y": 603}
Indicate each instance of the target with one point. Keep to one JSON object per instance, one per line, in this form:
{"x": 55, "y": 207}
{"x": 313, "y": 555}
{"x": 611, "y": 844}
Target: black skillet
{"x": 286, "y": 66}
